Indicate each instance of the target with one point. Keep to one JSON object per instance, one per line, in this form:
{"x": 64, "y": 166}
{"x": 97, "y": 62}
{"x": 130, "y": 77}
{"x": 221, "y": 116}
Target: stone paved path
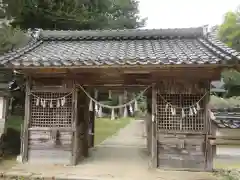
{"x": 122, "y": 156}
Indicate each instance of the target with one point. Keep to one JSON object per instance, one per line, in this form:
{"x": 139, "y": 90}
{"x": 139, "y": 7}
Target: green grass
{"x": 228, "y": 164}
{"x": 14, "y": 122}
{"x": 105, "y": 128}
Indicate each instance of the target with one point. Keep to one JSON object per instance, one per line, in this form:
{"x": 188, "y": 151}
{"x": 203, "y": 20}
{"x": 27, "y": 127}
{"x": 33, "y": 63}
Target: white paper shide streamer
{"x": 99, "y": 106}
{"x": 112, "y": 114}
{"x": 130, "y": 109}
{"x": 184, "y": 111}
{"x": 125, "y": 113}
{"x": 100, "y": 112}
{"x": 51, "y": 103}
{"x": 96, "y": 106}
{"x": 90, "y": 105}
{"x": 135, "y": 105}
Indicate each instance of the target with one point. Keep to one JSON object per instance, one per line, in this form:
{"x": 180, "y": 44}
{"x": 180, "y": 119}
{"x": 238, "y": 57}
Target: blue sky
{"x": 184, "y": 13}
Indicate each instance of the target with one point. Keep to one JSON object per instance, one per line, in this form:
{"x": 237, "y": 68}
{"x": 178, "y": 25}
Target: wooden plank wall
{"x": 181, "y": 152}
{"x": 43, "y": 147}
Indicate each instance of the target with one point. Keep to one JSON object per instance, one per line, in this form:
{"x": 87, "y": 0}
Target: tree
{"x": 11, "y": 38}
{"x": 229, "y": 31}
{"x": 74, "y": 14}
{"x": 65, "y": 15}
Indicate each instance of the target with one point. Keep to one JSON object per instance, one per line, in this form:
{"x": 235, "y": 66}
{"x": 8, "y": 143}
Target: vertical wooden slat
{"x": 27, "y": 118}
{"x": 154, "y": 132}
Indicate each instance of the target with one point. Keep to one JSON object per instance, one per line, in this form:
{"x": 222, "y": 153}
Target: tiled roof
{"x": 121, "y": 47}
{"x": 227, "y": 120}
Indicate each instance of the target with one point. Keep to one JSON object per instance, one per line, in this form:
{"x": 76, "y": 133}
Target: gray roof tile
{"x": 121, "y": 47}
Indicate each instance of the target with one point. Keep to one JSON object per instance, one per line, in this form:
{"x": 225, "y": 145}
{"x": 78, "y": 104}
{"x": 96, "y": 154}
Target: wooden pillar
{"x": 81, "y": 124}
{"x": 149, "y": 121}
{"x": 86, "y": 126}
{"x": 75, "y": 127}
{"x": 121, "y": 101}
{"x": 91, "y": 123}
{"x": 27, "y": 116}
{"x": 125, "y": 99}
{"x": 209, "y": 130}
{"x": 154, "y": 155}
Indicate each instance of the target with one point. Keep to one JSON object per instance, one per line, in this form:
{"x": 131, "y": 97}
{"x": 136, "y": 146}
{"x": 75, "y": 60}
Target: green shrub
{"x": 225, "y": 174}
{"x": 218, "y": 102}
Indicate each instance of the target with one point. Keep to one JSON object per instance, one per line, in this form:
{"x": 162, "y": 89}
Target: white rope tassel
{"x": 183, "y": 113}
{"x": 135, "y": 105}
{"x": 63, "y": 101}
{"x": 109, "y": 94}
{"x": 198, "y": 106}
{"x": 41, "y": 102}
{"x": 190, "y": 112}
{"x": 100, "y": 111}
{"x": 58, "y": 103}
{"x": 130, "y": 109}
{"x": 112, "y": 114}
{"x": 91, "y": 105}
{"x": 173, "y": 110}
{"x": 166, "y": 107}
{"x": 96, "y": 107}
{"x": 125, "y": 113}
{"x": 37, "y": 101}
{"x": 194, "y": 110}
{"x": 51, "y": 104}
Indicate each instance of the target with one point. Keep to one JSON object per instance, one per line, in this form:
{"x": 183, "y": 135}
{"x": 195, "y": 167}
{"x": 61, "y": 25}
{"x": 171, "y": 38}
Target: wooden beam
{"x": 160, "y": 66}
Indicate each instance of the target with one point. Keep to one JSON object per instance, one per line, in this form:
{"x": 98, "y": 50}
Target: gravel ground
{"x": 122, "y": 156}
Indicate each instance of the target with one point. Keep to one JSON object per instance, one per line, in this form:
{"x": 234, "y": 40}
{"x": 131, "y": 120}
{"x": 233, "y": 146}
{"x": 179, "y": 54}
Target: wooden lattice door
{"x": 181, "y": 140}
{"x": 51, "y": 128}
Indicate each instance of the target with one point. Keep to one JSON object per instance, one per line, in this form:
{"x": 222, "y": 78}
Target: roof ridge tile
{"x": 123, "y": 33}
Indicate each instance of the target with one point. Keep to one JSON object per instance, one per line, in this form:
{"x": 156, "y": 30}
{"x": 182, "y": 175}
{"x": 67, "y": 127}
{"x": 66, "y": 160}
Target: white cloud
{"x": 184, "y": 13}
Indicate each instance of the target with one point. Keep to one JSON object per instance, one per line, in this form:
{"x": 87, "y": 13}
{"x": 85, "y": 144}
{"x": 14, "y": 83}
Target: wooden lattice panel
{"x": 51, "y": 116}
{"x": 167, "y": 121}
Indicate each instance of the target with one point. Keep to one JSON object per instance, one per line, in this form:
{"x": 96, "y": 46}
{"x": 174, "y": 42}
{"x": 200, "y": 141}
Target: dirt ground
{"x": 122, "y": 156}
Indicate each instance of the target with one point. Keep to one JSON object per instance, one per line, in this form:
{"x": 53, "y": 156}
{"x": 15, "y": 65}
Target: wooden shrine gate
{"x": 179, "y": 142}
